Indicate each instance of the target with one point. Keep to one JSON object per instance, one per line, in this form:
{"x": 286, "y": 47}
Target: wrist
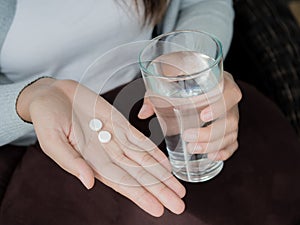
{"x": 29, "y": 93}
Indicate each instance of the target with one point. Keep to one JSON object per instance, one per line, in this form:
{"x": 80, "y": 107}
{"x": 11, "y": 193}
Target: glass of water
{"x": 183, "y": 74}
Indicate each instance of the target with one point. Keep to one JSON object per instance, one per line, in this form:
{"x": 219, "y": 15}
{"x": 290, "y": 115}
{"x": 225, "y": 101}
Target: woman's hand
{"x": 219, "y": 139}
{"x": 130, "y": 163}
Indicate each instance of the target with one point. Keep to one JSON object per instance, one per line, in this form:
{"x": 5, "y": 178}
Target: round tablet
{"x": 95, "y": 124}
{"x": 104, "y": 136}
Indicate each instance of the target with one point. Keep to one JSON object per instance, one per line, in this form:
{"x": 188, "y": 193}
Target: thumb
{"x": 146, "y": 110}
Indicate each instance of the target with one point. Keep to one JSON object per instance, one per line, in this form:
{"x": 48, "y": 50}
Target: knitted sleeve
{"x": 11, "y": 125}
{"x": 7, "y": 12}
{"x": 213, "y": 16}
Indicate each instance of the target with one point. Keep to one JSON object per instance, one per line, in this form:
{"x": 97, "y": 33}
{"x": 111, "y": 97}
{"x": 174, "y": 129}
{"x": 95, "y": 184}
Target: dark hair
{"x": 153, "y": 10}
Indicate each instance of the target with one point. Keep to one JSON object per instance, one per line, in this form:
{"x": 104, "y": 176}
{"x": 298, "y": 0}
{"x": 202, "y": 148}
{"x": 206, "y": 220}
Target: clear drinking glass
{"x": 183, "y": 74}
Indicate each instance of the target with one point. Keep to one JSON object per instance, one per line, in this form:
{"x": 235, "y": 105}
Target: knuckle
{"x": 223, "y": 155}
{"x": 233, "y": 121}
{"x": 226, "y": 153}
{"x": 162, "y": 190}
{"x": 119, "y": 158}
{"x": 164, "y": 176}
{"x": 228, "y": 75}
{"x": 232, "y": 138}
{"x": 230, "y": 118}
{"x": 200, "y": 134}
{"x": 237, "y": 93}
{"x": 142, "y": 176}
{"x": 146, "y": 159}
{"x": 139, "y": 196}
{"x": 221, "y": 143}
{"x": 136, "y": 134}
{"x": 126, "y": 180}
{"x": 206, "y": 133}
{"x": 126, "y": 144}
{"x": 235, "y": 146}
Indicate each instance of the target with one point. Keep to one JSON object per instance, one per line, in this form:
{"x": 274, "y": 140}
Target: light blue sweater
{"x": 213, "y": 16}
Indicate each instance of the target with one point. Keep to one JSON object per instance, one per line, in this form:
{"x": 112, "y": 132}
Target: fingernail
{"x": 207, "y": 116}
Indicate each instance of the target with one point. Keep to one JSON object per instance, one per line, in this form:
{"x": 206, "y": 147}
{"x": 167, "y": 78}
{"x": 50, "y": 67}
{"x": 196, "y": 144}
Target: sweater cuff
{"x": 12, "y": 126}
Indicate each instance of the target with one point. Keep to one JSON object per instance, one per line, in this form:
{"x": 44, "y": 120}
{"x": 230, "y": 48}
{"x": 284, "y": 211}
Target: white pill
{"x": 104, "y": 136}
{"x": 95, "y": 124}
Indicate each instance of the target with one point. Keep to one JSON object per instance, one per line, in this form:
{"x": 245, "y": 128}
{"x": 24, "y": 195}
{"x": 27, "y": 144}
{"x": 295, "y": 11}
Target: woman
{"x": 48, "y": 45}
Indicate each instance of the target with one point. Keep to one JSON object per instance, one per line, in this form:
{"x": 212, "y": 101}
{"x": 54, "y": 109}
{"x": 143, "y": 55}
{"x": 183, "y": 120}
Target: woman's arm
{"x": 12, "y": 126}
{"x": 61, "y": 111}
{"x": 213, "y": 16}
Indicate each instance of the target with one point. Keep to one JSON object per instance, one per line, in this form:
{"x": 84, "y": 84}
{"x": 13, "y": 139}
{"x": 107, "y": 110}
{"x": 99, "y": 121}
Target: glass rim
{"x": 188, "y": 76}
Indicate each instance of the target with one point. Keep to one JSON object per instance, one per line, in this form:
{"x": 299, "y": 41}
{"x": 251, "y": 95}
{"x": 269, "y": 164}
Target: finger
{"x": 147, "y": 171}
{"x": 129, "y": 137}
{"x": 223, "y": 154}
{"x": 135, "y": 192}
{"x": 216, "y": 130}
{"x": 152, "y": 166}
{"x": 137, "y": 141}
{"x": 231, "y": 96}
{"x": 59, "y": 150}
{"x": 119, "y": 180}
{"x": 159, "y": 189}
{"x": 144, "y": 152}
{"x": 222, "y": 143}
{"x": 146, "y": 110}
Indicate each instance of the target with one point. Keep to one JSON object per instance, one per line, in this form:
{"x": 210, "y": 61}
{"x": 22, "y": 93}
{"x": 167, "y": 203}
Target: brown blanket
{"x": 259, "y": 185}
